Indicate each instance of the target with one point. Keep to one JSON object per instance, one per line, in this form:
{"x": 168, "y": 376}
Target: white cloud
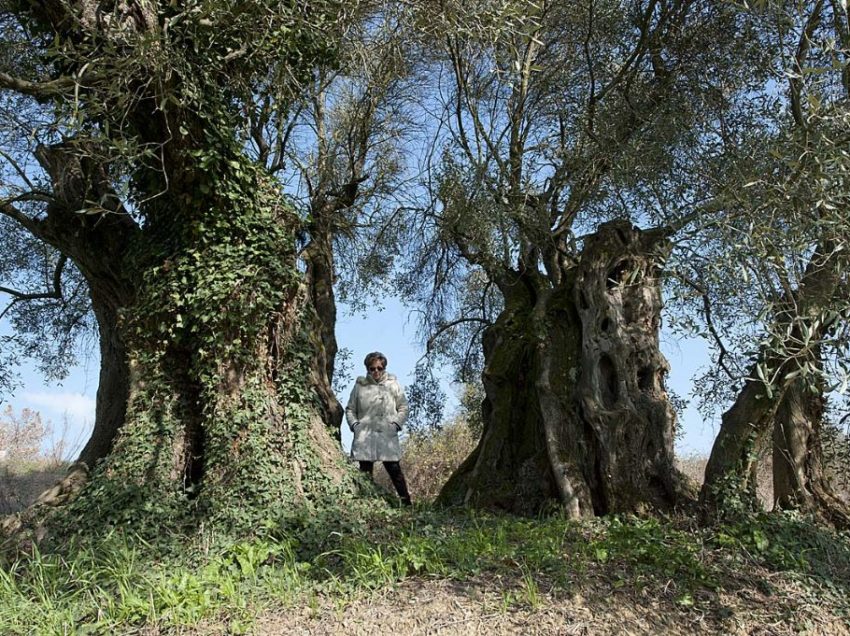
{"x": 53, "y": 406}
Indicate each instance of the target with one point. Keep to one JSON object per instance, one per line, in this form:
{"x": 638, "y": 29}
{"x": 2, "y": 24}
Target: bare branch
{"x": 591, "y": 98}
{"x": 709, "y": 321}
{"x": 429, "y": 346}
{"x": 17, "y": 168}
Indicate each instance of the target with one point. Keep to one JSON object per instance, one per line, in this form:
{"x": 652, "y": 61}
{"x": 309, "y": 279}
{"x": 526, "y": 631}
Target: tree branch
{"x": 795, "y": 81}
{"x": 591, "y": 98}
{"x": 55, "y": 293}
{"x": 7, "y": 208}
{"x": 709, "y": 321}
{"x": 36, "y": 89}
{"x": 841, "y": 21}
{"x": 17, "y": 168}
{"x": 451, "y": 325}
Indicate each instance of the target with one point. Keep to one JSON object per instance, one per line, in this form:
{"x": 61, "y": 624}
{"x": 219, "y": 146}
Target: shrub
{"x": 429, "y": 458}
{"x": 20, "y": 437}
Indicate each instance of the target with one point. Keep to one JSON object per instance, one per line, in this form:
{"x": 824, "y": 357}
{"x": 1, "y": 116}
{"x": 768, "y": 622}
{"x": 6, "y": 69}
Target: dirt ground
{"x": 480, "y": 607}
{"x": 19, "y": 488}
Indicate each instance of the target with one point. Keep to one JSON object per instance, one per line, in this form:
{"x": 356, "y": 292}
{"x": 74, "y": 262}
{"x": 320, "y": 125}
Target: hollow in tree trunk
{"x": 575, "y": 413}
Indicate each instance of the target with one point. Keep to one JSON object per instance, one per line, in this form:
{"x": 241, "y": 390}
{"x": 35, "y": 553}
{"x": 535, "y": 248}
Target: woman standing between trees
{"x": 376, "y": 411}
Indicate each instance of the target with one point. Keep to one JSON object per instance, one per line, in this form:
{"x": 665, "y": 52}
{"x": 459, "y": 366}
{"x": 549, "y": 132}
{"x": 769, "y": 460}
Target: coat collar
{"x": 366, "y": 380}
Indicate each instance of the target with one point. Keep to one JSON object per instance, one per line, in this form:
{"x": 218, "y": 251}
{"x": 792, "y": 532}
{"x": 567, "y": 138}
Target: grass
{"x": 115, "y": 582}
{"x": 768, "y": 569}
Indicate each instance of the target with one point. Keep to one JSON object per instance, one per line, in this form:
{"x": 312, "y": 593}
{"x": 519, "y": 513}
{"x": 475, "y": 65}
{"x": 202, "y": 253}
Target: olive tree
{"x": 783, "y": 229}
{"x": 337, "y": 146}
{"x": 129, "y": 163}
{"x": 562, "y": 127}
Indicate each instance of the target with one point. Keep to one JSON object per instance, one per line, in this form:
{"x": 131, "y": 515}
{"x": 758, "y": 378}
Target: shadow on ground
{"x": 21, "y": 486}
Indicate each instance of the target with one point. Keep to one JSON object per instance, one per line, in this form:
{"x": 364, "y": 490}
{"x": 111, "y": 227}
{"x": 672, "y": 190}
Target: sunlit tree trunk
{"x": 320, "y": 280}
{"x": 799, "y": 480}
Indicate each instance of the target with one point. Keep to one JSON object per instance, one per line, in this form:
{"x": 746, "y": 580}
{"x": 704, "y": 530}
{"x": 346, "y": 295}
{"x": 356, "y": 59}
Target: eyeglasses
{"x": 376, "y": 368}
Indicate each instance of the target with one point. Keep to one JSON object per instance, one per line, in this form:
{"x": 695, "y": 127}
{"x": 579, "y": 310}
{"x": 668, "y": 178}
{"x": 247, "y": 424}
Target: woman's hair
{"x": 375, "y": 355}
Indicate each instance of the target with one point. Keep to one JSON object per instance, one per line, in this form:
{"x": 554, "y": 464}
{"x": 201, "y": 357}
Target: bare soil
{"x": 20, "y": 485}
{"x": 493, "y": 606}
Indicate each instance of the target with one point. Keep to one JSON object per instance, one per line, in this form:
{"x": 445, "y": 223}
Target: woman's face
{"x": 376, "y": 369}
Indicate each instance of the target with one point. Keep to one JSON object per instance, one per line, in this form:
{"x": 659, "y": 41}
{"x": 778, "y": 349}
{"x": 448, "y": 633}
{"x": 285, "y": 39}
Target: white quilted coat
{"x": 376, "y": 412}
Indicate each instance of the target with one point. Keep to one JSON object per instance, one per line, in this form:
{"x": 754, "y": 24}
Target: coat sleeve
{"x": 401, "y": 406}
{"x": 351, "y": 415}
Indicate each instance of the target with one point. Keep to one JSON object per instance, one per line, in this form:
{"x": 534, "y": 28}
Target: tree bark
{"x": 575, "y": 413}
{"x": 320, "y": 279}
{"x": 512, "y": 467}
{"x": 621, "y": 389}
{"x": 799, "y": 481}
{"x": 730, "y": 474}
{"x": 97, "y": 245}
{"x": 113, "y": 387}
{"x": 787, "y": 407}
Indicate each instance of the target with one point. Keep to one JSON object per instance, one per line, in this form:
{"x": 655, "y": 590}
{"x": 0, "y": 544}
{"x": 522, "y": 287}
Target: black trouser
{"x": 397, "y": 477}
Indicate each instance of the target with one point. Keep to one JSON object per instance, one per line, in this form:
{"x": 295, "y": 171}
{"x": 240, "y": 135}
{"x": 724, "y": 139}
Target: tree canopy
{"x": 544, "y": 181}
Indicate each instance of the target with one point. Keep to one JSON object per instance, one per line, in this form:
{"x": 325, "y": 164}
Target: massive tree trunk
{"x": 214, "y": 385}
{"x": 221, "y": 419}
{"x": 223, "y": 369}
{"x": 207, "y": 407}
{"x": 575, "y": 413}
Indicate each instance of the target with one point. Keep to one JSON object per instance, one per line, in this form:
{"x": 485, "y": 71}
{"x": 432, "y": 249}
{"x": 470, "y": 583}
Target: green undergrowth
{"x": 115, "y": 582}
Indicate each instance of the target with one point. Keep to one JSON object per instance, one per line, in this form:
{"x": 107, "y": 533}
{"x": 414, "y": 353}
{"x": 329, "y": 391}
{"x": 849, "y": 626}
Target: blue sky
{"x": 391, "y": 330}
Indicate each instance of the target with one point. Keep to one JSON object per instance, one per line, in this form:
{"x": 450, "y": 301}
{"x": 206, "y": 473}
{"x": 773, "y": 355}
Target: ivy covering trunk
{"x": 214, "y": 391}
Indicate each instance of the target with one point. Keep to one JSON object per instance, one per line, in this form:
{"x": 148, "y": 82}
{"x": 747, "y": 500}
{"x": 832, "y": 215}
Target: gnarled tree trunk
{"x": 575, "y": 412}
{"x": 799, "y": 481}
{"x": 789, "y": 409}
{"x": 222, "y": 416}
{"x": 97, "y": 245}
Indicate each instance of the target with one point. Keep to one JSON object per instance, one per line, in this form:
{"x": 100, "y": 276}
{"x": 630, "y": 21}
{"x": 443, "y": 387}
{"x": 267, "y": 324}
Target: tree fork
{"x": 760, "y": 409}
